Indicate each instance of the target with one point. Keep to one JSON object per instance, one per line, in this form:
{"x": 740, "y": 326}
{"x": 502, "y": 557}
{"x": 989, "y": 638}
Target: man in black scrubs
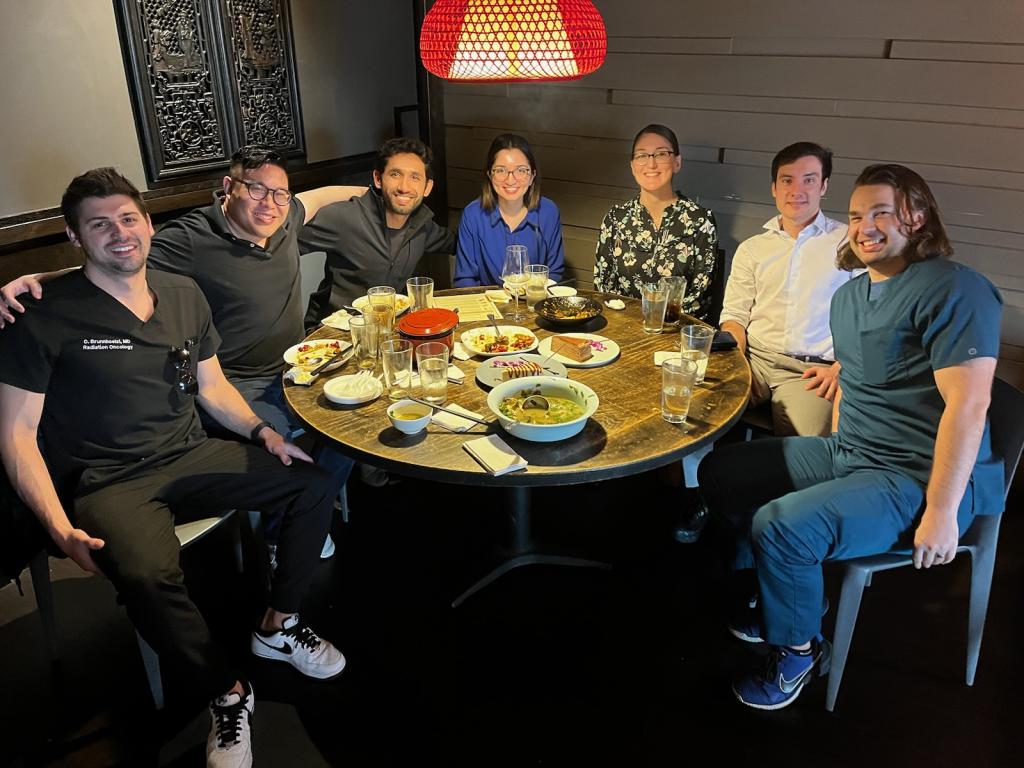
{"x": 107, "y": 371}
{"x": 243, "y": 251}
{"x": 379, "y": 238}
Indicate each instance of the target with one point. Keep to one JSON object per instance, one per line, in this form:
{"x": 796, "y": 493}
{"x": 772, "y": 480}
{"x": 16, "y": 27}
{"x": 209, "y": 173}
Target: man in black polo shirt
{"x": 243, "y": 251}
{"x": 379, "y": 238}
{"x": 107, "y": 371}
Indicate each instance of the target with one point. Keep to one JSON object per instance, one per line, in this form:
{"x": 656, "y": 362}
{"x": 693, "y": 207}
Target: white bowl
{"x": 562, "y": 290}
{"x": 337, "y": 389}
{"x": 549, "y": 386}
{"x": 410, "y": 426}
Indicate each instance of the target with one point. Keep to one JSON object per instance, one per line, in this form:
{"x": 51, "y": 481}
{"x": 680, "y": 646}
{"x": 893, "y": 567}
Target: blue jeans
{"x": 797, "y": 502}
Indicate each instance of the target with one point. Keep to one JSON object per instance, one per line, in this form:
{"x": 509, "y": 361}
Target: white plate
{"x": 563, "y": 290}
{"x": 469, "y": 339}
{"x": 492, "y": 372}
{"x": 291, "y": 355}
{"x": 605, "y": 350}
{"x": 338, "y": 320}
{"x": 402, "y": 303}
{"x": 332, "y": 388}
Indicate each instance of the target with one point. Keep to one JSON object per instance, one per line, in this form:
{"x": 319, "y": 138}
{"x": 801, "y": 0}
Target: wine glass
{"x": 513, "y": 272}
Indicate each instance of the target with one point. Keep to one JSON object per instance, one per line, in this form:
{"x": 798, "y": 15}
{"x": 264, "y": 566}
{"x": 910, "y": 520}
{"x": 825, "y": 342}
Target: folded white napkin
{"x": 453, "y": 422}
{"x": 661, "y": 357}
{"x": 497, "y": 295}
{"x": 495, "y": 455}
{"x": 338, "y": 320}
{"x": 460, "y": 352}
{"x": 455, "y": 376}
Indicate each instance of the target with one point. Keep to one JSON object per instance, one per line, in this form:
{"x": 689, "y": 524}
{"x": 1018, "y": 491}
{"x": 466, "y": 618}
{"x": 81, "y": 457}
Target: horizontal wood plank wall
{"x": 942, "y": 91}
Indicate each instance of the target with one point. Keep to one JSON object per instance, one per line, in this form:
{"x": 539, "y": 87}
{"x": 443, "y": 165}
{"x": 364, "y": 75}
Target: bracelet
{"x": 254, "y": 435}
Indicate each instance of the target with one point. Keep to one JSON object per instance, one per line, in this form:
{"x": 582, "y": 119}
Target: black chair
{"x": 717, "y": 287}
{"x": 1006, "y": 417}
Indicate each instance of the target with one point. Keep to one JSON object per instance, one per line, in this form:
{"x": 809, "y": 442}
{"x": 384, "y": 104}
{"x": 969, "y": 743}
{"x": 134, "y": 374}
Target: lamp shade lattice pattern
{"x": 509, "y": 41}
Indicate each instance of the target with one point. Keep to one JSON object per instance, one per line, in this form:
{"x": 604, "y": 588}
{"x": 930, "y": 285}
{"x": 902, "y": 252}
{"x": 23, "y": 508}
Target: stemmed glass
{"x": 513, "y": 272}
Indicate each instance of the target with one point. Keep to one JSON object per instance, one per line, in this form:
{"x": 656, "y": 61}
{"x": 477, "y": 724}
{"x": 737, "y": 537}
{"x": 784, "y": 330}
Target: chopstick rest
{"x": 494, "y": 455}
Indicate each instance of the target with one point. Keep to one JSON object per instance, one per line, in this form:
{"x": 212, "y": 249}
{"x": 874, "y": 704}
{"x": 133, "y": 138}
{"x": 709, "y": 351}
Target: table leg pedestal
{"x": 517, "y": 510}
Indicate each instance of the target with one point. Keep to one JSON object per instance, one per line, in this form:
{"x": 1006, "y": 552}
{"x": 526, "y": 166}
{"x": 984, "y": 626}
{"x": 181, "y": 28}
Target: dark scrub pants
{"x": 136, "y": 519}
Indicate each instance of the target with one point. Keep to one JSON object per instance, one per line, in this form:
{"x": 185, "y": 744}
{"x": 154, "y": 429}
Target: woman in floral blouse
{"x": 658, "y": 233}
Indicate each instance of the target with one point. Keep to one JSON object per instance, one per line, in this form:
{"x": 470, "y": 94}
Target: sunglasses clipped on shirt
{"x": 185, "y": 378}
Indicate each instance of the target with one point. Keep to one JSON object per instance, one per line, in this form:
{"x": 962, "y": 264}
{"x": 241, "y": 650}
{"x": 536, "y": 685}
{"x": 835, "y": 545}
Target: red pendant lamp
{"x": 512, "y": 41}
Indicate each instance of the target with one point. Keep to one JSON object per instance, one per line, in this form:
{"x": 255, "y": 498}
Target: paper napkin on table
{"x": 497, "y": 295}
{"x": 338, "y": 320}
{"x": 455, "y": 376}
{"x": 452, "y": 422}
{"x": 661, "y": 357}
{"x": 495, "y": 455}
{"x": 460, "y": 352}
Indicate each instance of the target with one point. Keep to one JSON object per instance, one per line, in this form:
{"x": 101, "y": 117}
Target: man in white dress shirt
{"x": 778, "y": 296}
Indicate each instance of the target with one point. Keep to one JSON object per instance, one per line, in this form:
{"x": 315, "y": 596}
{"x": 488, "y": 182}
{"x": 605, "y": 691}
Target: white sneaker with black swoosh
{"x": 230, "y": 742}
{"x": 301, "y": 647}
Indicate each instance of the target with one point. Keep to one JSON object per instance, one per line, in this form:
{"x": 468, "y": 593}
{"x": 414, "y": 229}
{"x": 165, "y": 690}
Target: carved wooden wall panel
{"x": 207, "y": 76}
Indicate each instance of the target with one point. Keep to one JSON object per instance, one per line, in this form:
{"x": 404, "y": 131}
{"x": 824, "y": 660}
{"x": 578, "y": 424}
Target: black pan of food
{"x": 568, "y": 310}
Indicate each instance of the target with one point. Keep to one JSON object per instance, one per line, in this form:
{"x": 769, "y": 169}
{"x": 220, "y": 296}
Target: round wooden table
{"x": 626, "y": 435}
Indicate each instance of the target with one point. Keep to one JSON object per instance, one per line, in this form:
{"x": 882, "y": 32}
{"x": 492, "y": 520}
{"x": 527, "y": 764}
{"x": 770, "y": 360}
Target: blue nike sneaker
{"x": 785, "y": 674}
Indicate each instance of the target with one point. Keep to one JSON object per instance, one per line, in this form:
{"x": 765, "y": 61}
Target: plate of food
{"x": 492, "y": 372}
{"x": 580, "y": 350}
{"x": 310, "y": 354}
{"x": 402, "y": 303}
{"x": 337, "y": 320}
{"x": 508, "y": 340}
{"x": 353, "y": 390}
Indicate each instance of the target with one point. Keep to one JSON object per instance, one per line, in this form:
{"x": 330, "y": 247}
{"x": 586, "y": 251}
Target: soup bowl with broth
{"x": 570, "y": 404}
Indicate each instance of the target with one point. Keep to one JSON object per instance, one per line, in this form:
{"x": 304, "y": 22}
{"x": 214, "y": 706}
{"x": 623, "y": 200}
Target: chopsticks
{"x": 453, "y": 413}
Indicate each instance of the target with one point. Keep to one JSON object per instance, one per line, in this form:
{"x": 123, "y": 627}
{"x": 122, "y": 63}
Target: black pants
{"x": 136, "y": 518}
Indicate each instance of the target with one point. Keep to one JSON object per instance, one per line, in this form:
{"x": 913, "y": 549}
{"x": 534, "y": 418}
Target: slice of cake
{"x": 572, "y": 347}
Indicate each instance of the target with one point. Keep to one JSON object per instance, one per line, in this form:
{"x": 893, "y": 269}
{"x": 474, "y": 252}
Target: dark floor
{"x": 547, "y": 667}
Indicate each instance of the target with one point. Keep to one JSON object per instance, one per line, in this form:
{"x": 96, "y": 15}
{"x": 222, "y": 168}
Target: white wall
{"x": 66, "y": 106}
{"x": 934, "y": 84}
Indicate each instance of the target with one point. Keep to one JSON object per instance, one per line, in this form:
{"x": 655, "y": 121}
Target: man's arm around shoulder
{"x": 20, "y": 411}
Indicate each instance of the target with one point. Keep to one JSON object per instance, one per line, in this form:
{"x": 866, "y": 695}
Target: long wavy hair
{"x": 912, "y": 197}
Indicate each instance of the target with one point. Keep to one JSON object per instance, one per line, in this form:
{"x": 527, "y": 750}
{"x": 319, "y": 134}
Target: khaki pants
{"x": 795, "y": 410}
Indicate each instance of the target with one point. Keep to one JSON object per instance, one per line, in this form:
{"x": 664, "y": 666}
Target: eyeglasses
{"x": 259, "y": 191}
{"x": 520, "y": 173}
{"x": 661, "y": 157}
{"x": 182, "y": 358}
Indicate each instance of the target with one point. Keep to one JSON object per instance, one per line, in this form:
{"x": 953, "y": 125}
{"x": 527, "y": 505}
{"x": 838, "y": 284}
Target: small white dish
{"x": 346, "y": 390}
{"x": 618, "y": 304}
{"x": 410, "y": 426}
{"x": 562, "y": 290}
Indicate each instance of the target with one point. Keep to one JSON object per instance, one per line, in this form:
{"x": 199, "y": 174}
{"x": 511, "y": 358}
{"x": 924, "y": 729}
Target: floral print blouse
{"x": 631, "y": 252}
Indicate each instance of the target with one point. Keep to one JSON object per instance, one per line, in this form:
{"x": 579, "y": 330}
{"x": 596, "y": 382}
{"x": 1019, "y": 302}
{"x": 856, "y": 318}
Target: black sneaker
{"x": 229, "y": 744}
{"x": 689, "y": 530}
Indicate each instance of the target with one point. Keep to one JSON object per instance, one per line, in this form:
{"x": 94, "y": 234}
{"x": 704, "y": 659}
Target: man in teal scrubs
{"x": 909, "y": 462}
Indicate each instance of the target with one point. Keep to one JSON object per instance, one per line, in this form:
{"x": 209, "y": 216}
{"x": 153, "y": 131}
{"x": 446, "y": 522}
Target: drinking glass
{"x": 695, "y": 344}
{"x": 382, "y": 304}
{"x": 652, "y": 305}
{"x": 364, "y": 340}
{"x": 421, "y": 292}
{"x": 536, "y": 284}
{"x": 677, "y": 381}
{"x": 676, "y": 289}
{"x": 513, "y": 272}
{"x": 396, "y": 355}
{"x": 432, "y": 362}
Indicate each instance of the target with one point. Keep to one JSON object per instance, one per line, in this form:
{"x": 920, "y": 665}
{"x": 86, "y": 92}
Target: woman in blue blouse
{"x": 509, "y": 211}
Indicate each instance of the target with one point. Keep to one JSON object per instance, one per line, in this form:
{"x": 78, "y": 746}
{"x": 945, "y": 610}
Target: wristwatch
{"x": 254, "y": 435}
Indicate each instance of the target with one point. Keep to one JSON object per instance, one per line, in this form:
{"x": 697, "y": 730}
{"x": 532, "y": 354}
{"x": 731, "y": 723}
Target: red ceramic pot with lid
{"x": 423, "y": 325}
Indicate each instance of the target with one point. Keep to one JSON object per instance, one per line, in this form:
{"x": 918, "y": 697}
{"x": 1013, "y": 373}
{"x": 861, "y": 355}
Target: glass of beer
{"x": 364, "y": 339}
{"x": 382, "y": 305}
